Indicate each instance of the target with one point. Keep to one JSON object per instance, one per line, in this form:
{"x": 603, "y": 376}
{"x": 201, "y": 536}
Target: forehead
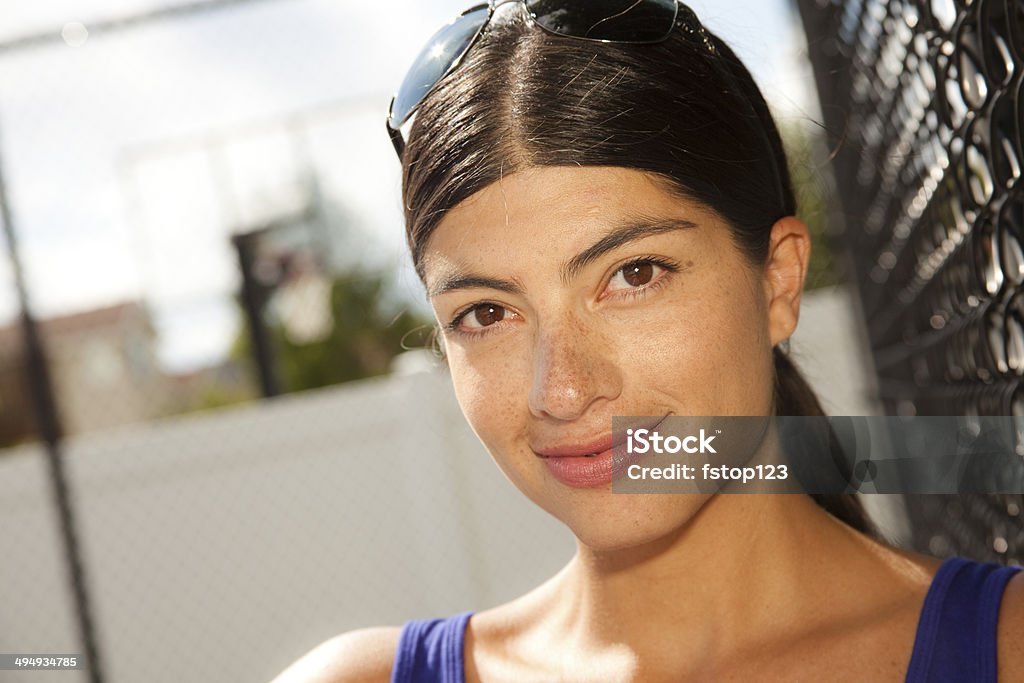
{"x": 550, "y": 210}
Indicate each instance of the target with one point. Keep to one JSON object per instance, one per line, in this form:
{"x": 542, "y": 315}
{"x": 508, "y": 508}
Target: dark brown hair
{"x": 685, "y": 109}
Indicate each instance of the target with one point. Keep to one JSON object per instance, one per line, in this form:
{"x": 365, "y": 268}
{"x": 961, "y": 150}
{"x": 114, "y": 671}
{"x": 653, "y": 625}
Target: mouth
{"x": 593, "y": 447}
{"x": 593, "y": 463}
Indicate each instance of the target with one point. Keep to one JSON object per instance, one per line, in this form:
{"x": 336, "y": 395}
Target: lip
{"x": 571, "y": 451}
{"x": 591, "y": 464}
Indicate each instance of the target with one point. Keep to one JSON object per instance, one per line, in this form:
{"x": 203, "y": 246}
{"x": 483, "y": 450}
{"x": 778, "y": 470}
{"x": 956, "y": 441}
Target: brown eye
{"x": 641, "y": 276}
{"x": 485, "y": 315}
{"x": 638, "y": 274}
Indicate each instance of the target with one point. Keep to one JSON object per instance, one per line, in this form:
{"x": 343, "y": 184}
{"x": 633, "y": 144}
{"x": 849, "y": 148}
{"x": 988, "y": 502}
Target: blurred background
{"x": 224, "y": 436}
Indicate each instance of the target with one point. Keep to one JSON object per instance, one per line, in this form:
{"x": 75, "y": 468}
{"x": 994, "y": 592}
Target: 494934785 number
{"x": 39, "y": 661}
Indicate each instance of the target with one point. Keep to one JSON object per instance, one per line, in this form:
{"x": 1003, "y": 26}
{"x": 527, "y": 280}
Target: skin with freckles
{"x": 674, "y": 321}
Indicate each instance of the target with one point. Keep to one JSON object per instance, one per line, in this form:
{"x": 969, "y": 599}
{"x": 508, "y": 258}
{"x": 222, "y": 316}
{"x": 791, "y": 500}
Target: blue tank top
{"x": 955, "y": 641}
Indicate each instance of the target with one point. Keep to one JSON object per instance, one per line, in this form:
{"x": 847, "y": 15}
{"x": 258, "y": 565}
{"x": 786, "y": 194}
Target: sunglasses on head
{"x": 605, "y": 21}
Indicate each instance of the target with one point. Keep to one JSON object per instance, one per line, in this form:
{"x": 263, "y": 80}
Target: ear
{"x": 789, "y": 252}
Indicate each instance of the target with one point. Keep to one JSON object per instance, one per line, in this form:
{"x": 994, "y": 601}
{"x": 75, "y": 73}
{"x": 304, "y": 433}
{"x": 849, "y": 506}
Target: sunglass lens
{"x": 621, "y": 21}
{"x": 435, "y": 60}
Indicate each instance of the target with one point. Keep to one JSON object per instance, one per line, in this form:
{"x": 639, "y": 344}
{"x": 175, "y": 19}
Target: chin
{"x": 630, "y": 520}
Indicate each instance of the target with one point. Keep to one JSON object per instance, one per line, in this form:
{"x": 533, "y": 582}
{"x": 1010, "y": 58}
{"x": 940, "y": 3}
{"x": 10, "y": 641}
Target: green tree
{"x": 808, "y": 172}
{"x": 367, "y": 333}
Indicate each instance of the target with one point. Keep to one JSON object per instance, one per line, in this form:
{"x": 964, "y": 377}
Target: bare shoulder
{"x": 1010, "y": 662}
{"x": 362, "y": 656}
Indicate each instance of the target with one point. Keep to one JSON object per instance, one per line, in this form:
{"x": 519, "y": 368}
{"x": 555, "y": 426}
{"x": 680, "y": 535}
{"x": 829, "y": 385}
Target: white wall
{"x": 829, "y": 348}
{"x": 220, "y": 547}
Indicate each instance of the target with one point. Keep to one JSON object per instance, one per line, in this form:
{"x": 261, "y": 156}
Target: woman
{"x": 598, "y": 203}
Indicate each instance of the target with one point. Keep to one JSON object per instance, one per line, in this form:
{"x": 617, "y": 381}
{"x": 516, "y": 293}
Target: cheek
{"x": 486, "y": 387}
{"x": 741, "y": 350}
{"x": 707, "y": 348}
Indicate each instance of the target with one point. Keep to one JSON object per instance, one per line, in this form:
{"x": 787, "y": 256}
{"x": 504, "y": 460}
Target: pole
{"x": 48, "y": 418}
{"x": 253, "y": 301}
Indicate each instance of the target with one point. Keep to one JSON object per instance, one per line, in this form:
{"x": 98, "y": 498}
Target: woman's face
{"x": 571, "y": 295}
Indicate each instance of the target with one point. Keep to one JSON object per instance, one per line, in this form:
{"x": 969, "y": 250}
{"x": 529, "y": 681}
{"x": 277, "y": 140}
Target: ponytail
{"x": 794, "y": 396}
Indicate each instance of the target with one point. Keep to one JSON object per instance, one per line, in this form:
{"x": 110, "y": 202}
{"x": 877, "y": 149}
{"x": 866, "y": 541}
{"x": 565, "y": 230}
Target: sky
{"x": 130, "y": 158}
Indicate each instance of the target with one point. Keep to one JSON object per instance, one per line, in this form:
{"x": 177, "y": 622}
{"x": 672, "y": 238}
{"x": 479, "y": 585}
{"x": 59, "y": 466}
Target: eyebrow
{"x": 635, "y": 230}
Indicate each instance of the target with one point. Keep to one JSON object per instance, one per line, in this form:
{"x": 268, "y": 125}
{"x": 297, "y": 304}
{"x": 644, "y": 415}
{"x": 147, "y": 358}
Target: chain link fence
{"x": 923, "y": 101}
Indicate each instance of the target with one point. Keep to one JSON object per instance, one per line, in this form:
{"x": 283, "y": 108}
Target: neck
{"x": 743, "y": 566}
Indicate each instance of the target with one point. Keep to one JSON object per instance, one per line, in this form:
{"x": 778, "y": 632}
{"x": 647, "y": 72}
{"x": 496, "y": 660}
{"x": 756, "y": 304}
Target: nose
{"x": 573, "y": 368}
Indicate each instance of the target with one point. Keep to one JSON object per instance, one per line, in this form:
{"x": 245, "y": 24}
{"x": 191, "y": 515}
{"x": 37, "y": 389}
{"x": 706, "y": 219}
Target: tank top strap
{"x": 430, "y": 651}
{"x": 956, "y": 632}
